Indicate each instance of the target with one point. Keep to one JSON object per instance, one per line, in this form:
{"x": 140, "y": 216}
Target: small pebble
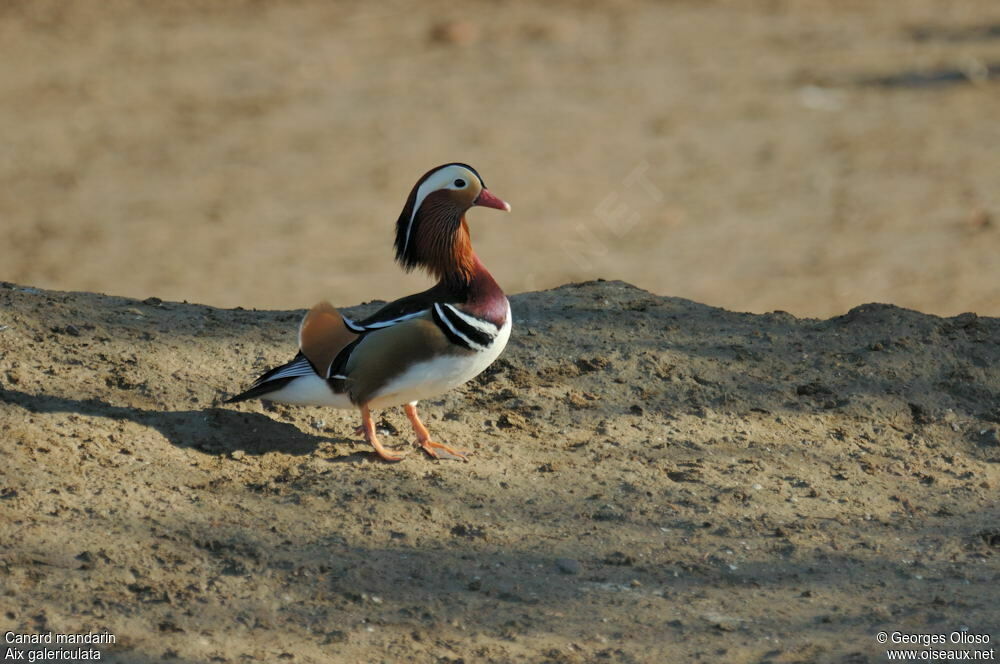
{"x": 568, "y": 565}
{"x": 990, "y": 437}
{"x": 458, "y": 33}
{"x": 980, "y": 219}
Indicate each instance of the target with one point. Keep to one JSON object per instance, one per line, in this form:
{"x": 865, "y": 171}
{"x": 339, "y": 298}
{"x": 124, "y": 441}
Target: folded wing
{"x": 322, "y": 335}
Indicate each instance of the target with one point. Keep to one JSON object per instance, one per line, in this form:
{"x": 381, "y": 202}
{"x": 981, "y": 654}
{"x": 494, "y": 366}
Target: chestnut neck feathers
{"x": 431, "y": 231}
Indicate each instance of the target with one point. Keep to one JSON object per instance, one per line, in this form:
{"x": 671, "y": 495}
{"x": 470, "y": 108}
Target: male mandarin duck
{"x": 418, "y": 346}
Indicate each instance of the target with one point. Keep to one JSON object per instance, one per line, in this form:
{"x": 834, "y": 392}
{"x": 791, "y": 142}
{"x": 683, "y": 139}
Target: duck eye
{"x": 460, "y": 183}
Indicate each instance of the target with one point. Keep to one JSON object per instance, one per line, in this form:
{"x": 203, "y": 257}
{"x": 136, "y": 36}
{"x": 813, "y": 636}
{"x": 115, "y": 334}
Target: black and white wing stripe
{"x": 464, "y": 329}
{"x": 378, "y": 325}
{"x": 352, "y": 326}
{"x": 300, "y": 366}
{"x": 276, "y": 378}
{"x": 461, "y": 328}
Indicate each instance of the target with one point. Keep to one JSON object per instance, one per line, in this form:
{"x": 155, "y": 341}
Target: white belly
{"x": 434, "y": 377}
{"x": 309, "y": 391}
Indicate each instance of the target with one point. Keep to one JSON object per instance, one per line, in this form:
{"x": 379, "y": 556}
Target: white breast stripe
{"x": 469, "y": 342}
{"x": 483, "y": 326}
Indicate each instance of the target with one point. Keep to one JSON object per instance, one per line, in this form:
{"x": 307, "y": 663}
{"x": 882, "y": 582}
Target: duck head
{"x": 431, "y": 231}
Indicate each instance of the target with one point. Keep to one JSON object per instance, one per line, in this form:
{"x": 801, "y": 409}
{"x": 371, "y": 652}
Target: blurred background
{"x": 804, "y": 155}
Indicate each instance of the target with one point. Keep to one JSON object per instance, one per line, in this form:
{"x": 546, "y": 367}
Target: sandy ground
{"x": 678, "y": 484}
{"x": 750, "y": 155}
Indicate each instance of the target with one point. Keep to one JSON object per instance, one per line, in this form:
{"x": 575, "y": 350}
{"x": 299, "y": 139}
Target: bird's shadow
{"x": 212, "y": 430}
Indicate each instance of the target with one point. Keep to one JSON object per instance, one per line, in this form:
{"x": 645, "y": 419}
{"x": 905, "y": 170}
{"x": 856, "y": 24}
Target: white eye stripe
{"x": 444, "y": 178}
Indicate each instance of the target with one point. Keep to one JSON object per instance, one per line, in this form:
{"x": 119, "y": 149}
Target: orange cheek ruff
{"x": 445, "y": 251}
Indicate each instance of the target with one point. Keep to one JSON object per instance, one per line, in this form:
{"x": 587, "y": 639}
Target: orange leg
{"x": 369, "y": 427}
{"x": 436, "y": 450}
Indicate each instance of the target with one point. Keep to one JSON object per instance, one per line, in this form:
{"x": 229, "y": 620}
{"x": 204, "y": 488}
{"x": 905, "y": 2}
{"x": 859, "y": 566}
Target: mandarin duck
{"x": 418, "y": 346}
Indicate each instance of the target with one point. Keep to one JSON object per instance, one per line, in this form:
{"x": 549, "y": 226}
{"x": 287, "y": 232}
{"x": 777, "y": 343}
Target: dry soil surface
{"x": 653, "y": 480}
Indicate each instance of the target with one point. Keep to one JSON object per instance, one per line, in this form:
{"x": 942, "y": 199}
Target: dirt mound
{"x": 652, "y": 480}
